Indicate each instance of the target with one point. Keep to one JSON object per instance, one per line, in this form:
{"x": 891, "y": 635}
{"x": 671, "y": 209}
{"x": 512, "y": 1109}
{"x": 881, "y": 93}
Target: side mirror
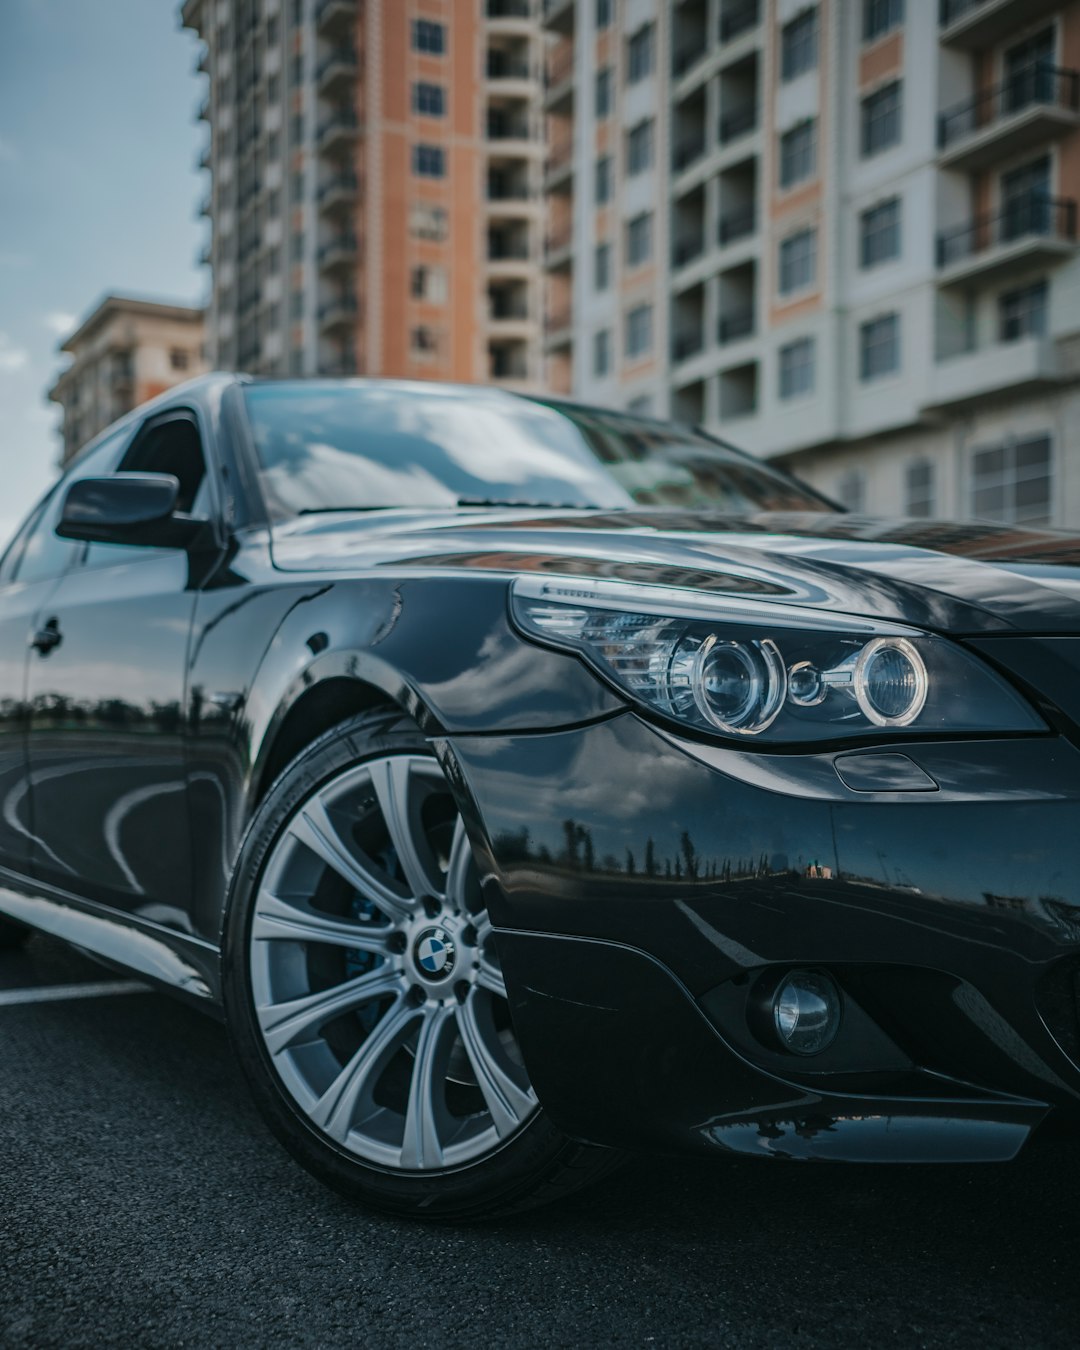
{"x": 128, "y": 508}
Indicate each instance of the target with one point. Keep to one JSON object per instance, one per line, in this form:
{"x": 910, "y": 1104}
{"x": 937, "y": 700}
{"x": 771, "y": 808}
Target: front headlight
{"x": 751, "y": 668}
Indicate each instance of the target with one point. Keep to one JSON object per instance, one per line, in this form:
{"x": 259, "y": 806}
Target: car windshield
{"x": 359, "y": 446}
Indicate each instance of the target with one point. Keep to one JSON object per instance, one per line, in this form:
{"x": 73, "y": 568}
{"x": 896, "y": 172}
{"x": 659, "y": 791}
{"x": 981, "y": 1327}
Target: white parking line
{"x": 56, "y": 993}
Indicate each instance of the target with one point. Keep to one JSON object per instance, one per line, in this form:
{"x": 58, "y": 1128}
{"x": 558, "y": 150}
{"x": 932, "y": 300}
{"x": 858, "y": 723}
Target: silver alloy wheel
{"x": 376, "y": 986}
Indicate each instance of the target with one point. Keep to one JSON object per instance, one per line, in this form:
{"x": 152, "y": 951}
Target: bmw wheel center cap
{"x": 434, "y": 953}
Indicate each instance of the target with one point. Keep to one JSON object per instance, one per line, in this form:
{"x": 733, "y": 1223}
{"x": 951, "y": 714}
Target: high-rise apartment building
{"x": 843, "y": 234}
{"x": 124, "y": 352}
{"x": 376, "y": 172}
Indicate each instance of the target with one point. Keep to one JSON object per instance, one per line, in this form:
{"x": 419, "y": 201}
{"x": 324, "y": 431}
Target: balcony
{"x": 737, "y": 18}
{"x": 339, "y": 192}
{"x": 203, "y": 113}
{"x": 508, "y": 250}
{"x": 339, "y": 253}
{"x": 687, "y": 151}
{"x": 736, "y": 224}
{"x": 685, "y": 251}
{"x": 205, "y": 157}
{"x": 336, "y": 71}
{"x": 1031, "y": 363}
{"x": 206, "y": 206}
{"x": 335, "y": 16}
{"x": 508, "y": 9}
{"x": 508, "y": 307}
{"x": 337, "y": 313}
{"x": 735, "y": 325}
{"x": 559, "y": 80}
{"x": 501, "y": 127}
{"x": 559, "y": 15}
{"x": 502, "y": 65}
{"x": 559, "y": 167}
{"x": 686, "y": 59}
{"x": 686, "y": 345}
{"x": 1036, "y": 105}
{"x": 558, "y": 248}
{"x": 1033, "y": 229}
{"x": 737, "y": 123}
{"x": 501, "y": 190}
{"x": 338, "y": 131}
{"x": 981, "y": 23}
{"x": 206, "y": 256}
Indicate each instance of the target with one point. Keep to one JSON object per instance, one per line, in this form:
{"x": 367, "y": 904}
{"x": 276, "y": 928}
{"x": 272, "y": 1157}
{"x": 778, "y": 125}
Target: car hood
{"x": 968, "y": 577}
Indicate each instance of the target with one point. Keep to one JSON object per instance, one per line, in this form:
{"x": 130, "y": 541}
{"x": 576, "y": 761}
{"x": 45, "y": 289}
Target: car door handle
{"x": 45, "y": 639}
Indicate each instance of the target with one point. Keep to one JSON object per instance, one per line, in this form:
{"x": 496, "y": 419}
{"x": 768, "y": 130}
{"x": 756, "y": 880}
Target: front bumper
{"x": 643, "y": 885}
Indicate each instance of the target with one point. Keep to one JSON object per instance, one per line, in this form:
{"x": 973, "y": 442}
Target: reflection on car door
{"x": 29, "y": 575}
{"x": 106, "y": 746}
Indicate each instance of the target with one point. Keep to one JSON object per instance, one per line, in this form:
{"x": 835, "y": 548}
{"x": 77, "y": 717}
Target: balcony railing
{"x": 503, "y": 67}
{"x": 735, "y": 324}
{"x": 559, "y": 157}
{"x": 344, "y": 123}
{"x": 738, "y": 122}
{"x": 328, "y": 12}
{"x": 686, "y": 58}
{"x": 501, "y": 129}
{"x": 508, "y": 9}
{"x": 1031, "y": 216}
{"x": 346, "y": 184}
{"x": 343, "y": 59}
{"x": 559, "y": 68}
{"x": 686, "y": 345}
{"x": 1039, "y": 84}
{"x": 737, "y": 18}
{"x": 736, "y": 224}
{"x": 503, "y": 307}
{"x": 341, "y": 309}
{"x": 508, "y": 250}
{"x": 558, "y": 239}
{"x": 509, "y": 192}
{"x": 340, "y": 248}
{"x": 686, "y": 151}
{"x": 951, "y": 10}
{"x": 684, "y": 251}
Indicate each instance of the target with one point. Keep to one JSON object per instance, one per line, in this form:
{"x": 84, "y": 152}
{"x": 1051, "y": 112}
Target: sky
{"x": 98, "y": 193}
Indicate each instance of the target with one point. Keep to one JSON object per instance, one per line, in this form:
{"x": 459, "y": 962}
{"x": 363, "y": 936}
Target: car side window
{"x": 45, "y": 554}
{"x": 164, "y": 445}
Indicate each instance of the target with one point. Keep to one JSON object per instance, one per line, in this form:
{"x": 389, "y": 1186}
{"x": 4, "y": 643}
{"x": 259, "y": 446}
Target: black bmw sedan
{"x": 528, "y": 785}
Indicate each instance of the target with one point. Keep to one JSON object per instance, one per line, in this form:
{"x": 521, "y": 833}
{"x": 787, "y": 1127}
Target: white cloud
{"x": 59, "y": 322}
{"x": 12, "y": 358}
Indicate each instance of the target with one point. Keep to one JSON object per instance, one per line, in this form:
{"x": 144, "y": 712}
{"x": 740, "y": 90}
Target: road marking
{"x": 57, "y": 993}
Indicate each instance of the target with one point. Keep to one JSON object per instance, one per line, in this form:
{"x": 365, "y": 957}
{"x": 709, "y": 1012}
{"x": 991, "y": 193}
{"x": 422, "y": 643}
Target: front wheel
{"x": 364, "y": 994}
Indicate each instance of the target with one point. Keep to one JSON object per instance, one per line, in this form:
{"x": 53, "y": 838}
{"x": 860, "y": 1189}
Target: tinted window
{"x": 327, "y": 447}
{"x": 46, "y": 554}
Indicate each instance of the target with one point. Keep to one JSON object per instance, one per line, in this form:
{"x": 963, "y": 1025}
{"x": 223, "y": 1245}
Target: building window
{"x": 851, "y": 490}
{"x": 429, "y": 161}
{"x": 603, "y": 13}
{"x": 639, "y": 331}
{"x": 639, "y": 147}
{"x": 1022, "y": 312}
{"x": 799, "y": 45}
{"x": 603, "y": 92}
{"x": 879, "y": 347}
{"x": 296, "y": 70}
{"x": 603, "y": 180}
{"x": 297, "y": 128}
{"x": 296, "y": 304}
{"x": 603, "y": 267}
{"x": 798, "y": 153}
{"x": 297, "y": 243}
{"x": 798, "y": 261}
{"x": 424, "y": 341}
{"x": 428, "y": 37}
{"x": 429, "y": 99}
{"x": 640, "y": 53}
{"x": 881, "y": 119}
{"x": 879, "y": 233}
{"x": 179, "y": 358}
{"x": 428, "y": 222}
{"x": 428, "y": 283}
{"x": 919, "y": 488}
{"x": 1012, "y": 482}
{"x": 797, "y": 368}
{"x": 639, "y": 239}
{"x": 602, "y": 352}
{"x": 879, "y": 16}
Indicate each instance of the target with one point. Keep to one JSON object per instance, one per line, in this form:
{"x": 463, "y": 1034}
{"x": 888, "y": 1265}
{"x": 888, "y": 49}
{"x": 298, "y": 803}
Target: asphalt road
{"x": 142, "y": 1202}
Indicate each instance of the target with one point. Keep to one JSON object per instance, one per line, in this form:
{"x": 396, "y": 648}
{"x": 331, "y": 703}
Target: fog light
{"x": 806, "y": 1012}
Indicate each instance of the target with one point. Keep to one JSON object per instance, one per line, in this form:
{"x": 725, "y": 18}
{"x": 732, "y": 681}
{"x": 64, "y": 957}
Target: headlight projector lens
{"x": 890, "y": 682}
{"x": 739, "y": 686}
{"x": 806, "y": 1012}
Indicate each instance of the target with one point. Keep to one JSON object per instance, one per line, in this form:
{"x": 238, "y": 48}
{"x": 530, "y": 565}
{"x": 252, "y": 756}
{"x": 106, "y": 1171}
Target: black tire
{"x": 12, "y": 934}
{"x": 533, "y": 1166}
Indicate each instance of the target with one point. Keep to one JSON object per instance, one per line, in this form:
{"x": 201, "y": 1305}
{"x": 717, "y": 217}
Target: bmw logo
{"x": 434, "y": 953}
